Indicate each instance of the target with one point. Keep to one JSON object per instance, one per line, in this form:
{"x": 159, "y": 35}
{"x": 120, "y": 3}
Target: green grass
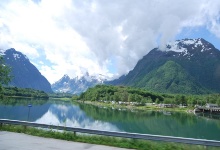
{"x": 103, "y": 140}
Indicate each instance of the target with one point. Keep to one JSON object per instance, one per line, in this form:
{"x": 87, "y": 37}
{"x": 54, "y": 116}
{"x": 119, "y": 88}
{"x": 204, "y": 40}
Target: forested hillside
{"x": 119, "y": 93}
{"x": 109, "y": 93}
{"x": 170, "y": 78}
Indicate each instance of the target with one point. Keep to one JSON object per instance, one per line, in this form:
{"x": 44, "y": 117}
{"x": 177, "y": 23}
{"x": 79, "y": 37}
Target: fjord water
{"x": 92, "y": 117}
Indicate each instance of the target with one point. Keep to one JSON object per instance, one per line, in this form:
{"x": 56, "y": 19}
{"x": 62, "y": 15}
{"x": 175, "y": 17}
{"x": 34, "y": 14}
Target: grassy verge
{"x": 142, "y": 108}
{"x": 103, "y": 140}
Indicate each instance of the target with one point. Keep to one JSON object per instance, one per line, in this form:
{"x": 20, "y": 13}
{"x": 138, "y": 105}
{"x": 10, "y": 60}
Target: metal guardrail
{"x": 118, "y": 134}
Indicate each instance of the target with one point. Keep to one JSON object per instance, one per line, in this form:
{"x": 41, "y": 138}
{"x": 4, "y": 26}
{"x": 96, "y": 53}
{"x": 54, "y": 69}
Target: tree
{"x": 143, "y": 101}
{"x": 157, "y": 101}
{"x": 4, "y": 74}
{"x": 218, "y": 101}
{"x": 131, "y": 97}
{"x": 183, "y": 100}
{"x": 167, "y": 101}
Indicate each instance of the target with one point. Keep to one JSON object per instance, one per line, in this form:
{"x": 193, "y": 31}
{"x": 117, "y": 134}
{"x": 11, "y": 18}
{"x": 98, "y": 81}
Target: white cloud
{"x": 77, "y": 35}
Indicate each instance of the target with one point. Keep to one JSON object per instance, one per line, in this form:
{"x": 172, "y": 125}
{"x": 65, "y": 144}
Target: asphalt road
{"x": 20, "y": 141}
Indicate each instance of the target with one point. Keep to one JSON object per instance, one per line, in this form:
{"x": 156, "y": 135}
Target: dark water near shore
{"x": 86, "y": 116}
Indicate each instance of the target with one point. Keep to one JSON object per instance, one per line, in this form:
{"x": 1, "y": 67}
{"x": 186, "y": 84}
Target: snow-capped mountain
{"x": 190, "y": 47}
{"x": 24, "y": 73}
{"x": 77, "y": 85}
{"x": 183, "y": 66}
{"x": 187, "y": 44}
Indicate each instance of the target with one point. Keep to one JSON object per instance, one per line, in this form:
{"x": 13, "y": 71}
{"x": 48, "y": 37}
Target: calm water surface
{"x": 92, "y": 117}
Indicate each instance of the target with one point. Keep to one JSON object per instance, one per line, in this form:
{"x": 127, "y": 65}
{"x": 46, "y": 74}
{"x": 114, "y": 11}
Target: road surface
{"x": 20, "y": 141}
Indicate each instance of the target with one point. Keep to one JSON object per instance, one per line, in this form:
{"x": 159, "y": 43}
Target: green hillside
{"x": 170, "y": 78}
{"x": 189, "y": 66}
{"x": 119, "y": 93}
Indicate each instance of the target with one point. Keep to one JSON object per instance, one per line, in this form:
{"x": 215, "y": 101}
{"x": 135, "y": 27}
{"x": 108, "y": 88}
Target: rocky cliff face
{"x": 25, "y": 74}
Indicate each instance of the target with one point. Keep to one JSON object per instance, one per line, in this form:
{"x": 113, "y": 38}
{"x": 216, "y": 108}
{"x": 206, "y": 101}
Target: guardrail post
{"x": 25, "y": 127}
{"x": 74, "y": 133}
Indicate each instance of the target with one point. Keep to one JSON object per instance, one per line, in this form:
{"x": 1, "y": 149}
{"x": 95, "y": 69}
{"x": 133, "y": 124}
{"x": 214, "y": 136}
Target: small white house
{"x": 166, "y": 105}
{"x": 209, "y": 105}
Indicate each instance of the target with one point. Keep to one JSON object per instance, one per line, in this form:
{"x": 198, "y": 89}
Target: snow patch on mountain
{"x": 175, "y": 47}
{"x": 198, "y": 43}
{"x": 16, "y": 56}
{"x": 188, "y": 41}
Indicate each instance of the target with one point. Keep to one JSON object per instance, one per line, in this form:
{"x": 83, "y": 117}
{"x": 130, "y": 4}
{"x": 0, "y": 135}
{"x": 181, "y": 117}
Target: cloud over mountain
{"x": 108, "y": 37}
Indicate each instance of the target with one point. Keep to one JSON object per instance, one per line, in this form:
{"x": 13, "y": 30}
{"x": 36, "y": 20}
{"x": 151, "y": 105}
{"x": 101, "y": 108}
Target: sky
{"x": 101, "y": 36}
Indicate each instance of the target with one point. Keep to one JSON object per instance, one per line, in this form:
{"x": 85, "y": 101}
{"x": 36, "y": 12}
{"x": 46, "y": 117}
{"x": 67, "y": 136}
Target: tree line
{"x": 109, "y": 93}
{"x": 192, "y": 100}
{"x": 118, "y": 93}
{"x": 60, "y": 95}
{"x": 24, "y": 92}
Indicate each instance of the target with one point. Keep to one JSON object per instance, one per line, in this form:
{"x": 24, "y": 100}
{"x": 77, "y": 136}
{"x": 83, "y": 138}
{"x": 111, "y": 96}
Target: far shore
{"x": 24, "y": 97}
{"x": 150, "y": 107}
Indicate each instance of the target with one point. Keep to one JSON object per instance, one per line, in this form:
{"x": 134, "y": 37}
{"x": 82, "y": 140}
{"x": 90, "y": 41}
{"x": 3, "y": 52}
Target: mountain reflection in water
{"x": 73, "y": 116}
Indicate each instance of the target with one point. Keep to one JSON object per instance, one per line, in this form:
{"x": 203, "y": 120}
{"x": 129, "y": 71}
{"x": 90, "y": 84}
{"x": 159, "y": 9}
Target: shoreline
{"x": 25, "y": 97}
{"x": 136, "y": 108}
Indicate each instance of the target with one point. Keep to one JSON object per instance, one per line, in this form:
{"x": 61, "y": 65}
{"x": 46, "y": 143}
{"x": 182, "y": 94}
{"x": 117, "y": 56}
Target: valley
{"x": 147, "y": 67}
{"x": 163, "y": 89}
{"x": 188, "y": 66}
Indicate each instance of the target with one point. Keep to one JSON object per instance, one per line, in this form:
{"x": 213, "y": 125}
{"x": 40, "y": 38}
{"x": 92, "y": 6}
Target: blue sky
{"x": 100, "y": 36}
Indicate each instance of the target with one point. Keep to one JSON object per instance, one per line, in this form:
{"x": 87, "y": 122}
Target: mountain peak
{"x": 78, "y": 84}
{"x": 65, "y": 76}
{"x": 17, "y": 56}
{"x": 25, "y": 74}
{"x": 185, "y": 44}
{"x": 188, "y": 65}
{"x": 64, "y": 79}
